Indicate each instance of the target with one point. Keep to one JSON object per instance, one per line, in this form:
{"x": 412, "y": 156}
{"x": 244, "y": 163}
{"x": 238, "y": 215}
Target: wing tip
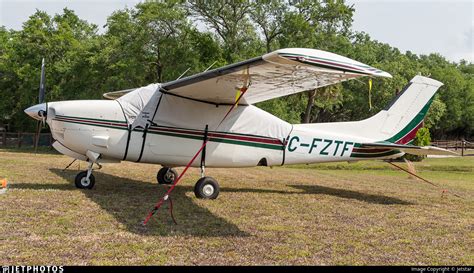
{"x": 384, "y": 74}
{"x": 426, "y": 80}
{"x": 108, "y": 96}
{"x": 326, "y": 58}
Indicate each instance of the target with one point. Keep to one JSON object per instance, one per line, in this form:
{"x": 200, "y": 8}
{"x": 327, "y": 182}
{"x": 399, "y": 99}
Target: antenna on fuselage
{"x": 184, "y": 73}
{"x": 210, "y": 66}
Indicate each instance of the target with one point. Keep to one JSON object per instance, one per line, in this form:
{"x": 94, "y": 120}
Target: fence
{"x": 22, "y": 139}
{"x": 463, "y": 146}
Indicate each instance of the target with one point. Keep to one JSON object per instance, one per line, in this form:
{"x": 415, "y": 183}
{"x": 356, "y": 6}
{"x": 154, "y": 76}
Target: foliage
{"x": 66, "y": 42}
{"x": 158, "y": 41}
{"x": 422, "y": 138}
{"x": 436, "y": 112}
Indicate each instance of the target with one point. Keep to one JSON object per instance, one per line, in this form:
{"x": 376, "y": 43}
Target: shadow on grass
{"x": 129, "y": 201}
{"x": 316, "y": 189}
{"x": 348, "y": 194}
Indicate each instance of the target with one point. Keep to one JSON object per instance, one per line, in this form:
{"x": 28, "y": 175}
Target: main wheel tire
{"x": 206, "y": 188}
{"x": 166, "y": 176}
{"x": 82, "y": 182}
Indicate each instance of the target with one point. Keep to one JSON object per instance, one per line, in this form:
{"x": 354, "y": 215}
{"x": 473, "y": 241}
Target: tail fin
{"x": 405, "y": 114}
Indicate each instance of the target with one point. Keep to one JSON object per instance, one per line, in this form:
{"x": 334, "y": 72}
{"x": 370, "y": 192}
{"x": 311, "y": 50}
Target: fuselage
{"x": 100, "y": 126}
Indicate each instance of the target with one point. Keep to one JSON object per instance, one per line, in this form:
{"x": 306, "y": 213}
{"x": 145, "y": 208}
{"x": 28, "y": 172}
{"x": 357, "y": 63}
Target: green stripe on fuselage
{"x": 183, "y": 135}
{"x": 94, "y": 119}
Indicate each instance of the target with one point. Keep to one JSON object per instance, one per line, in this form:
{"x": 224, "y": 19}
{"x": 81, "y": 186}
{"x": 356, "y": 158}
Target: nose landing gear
{"x": 85, "y": 179}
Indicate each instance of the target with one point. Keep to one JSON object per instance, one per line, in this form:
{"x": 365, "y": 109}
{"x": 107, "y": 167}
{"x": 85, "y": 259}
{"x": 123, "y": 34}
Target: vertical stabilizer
{"x": 405, "y": 114}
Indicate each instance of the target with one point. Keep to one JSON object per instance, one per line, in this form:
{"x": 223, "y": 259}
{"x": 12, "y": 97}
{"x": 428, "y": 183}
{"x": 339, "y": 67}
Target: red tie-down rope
{"x": 424, "y": 180}
{"x": 167, "y": 194}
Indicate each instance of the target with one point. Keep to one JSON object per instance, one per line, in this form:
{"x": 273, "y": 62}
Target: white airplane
{"x": 167, "y": 123}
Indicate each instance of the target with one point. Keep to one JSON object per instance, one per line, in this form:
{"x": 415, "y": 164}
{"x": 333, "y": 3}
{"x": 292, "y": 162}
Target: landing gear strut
{"x": 166, "y": 176}
{"x": 206, "y": 187}
{"x": 85, "y": 179}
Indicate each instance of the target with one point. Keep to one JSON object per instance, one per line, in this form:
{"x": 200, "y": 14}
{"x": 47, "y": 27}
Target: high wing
{"x": 410, "y": 149}
{"x": 276, "y": 74}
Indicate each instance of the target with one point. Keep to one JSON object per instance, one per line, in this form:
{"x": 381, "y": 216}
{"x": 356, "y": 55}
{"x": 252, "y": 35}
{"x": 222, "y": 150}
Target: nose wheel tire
{"x": 206, "y": 188}
{"x": 82, "y": 182}
{"x": 166, "y": 175}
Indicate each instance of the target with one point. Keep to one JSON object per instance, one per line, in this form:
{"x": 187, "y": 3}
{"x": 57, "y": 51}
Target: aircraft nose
{"x": 37, "y": 112}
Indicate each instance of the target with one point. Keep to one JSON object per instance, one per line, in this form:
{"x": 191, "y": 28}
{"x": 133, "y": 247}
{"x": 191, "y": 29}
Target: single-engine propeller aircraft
{"x": 166, "y": 123}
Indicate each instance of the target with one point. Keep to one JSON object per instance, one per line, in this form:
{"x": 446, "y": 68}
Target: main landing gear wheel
{"x": 206, "y": 188}
{"x": 82, "y": 182}
{"x": 166, "y": 175}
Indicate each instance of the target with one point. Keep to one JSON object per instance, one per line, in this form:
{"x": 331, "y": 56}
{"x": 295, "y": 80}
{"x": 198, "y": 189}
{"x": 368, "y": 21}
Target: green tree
{"x": 154, "y": 42}
{"x": 230, "y": 20}
{"x": 63, "y": 40}
{"x": 434, "y": 115}
{"x": 268, "y": 15}
{"x": 324, "y": 25}
{"x": 142, "y": 45}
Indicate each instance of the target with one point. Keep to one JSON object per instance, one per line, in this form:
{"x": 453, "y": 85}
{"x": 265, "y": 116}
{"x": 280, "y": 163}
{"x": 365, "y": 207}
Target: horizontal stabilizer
{"x": 410, "y": 149}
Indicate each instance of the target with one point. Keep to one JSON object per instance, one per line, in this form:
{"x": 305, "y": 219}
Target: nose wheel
{"x": 85, "y": 179}
{"x": 84, "y": 182}
{"x": 206, "y": 188}
{"x": 166, "y": 176}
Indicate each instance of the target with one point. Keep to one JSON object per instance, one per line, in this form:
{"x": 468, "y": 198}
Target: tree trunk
{"x": 309, "y": 106}
{"x": 159, "y": 65}
{"x": 159, "y": 71}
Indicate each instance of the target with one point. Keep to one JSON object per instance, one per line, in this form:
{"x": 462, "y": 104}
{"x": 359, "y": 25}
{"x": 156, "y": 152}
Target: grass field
{"x": 364, "y": 213}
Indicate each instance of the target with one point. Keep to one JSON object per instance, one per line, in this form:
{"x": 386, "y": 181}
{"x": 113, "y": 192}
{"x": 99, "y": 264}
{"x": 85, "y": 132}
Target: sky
{"x": 420, "y": 26}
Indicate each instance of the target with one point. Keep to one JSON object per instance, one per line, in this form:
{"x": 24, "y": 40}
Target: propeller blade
{"x": 37, "y": 135}
{"x": 41, "y": 89}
